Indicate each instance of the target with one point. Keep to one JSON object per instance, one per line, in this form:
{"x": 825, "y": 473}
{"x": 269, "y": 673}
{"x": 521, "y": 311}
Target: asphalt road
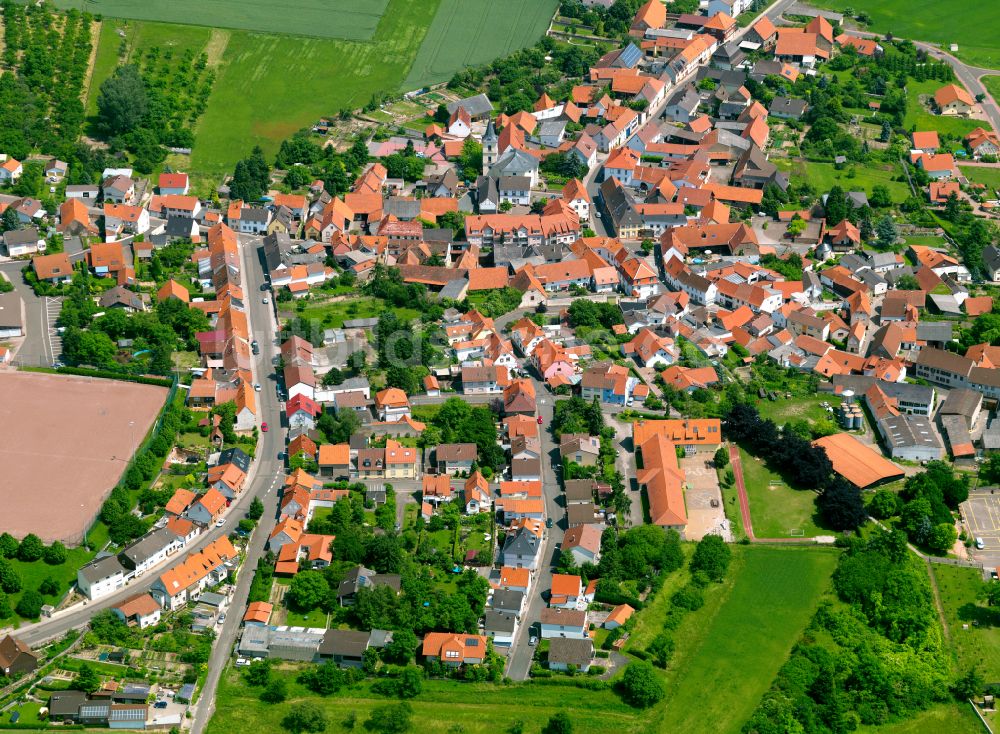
{"x": 519, "y": 659}
{"x": 265, "y": 477}
{"x": 268, "y": 482}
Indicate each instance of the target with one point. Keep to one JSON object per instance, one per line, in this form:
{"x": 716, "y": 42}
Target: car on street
{"x": 980, "y": 544}
{"x": 256, "y": 386}
{"x": 533, "y": 641}
{"x": 220, "y": 522}
{"x": 263, "y": 426}
{"x": 548, "y": 522}
{"x": 539, "y": 420}
{"x": 265, "y": 300}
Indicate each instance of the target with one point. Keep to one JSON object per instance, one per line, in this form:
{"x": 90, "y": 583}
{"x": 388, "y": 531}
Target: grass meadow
{"x": 978, "y": 642}
{"x": 323, "y": 18}
{"x": 824, "y": 176}
{"x": 471, "y": 32}
{"x": 989, "y": 177}
{"x": 941, "y": 21}
{"x": 745, "y": 639}
{"x": 777, "y": 509}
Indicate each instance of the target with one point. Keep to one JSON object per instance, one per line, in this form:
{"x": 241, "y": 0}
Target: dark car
{"x": 160, "y": 705}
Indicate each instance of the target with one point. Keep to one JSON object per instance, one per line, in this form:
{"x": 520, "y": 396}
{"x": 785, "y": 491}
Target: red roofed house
{"x": 952, "y": 99}
{"x": 455, "y": 650}
{"x": 173, "y": 183}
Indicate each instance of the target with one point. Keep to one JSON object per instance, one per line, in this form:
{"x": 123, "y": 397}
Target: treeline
{"x": 803, "y": 465}
{"x": 116, "y": 512}
{"x": 875, "y": 658}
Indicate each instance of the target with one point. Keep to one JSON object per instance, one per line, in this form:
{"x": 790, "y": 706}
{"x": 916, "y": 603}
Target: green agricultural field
{"x": 324, "y": 18}
{"x": 775, "y": 508}
{"x": 942, "y": 22}
{"x": 980, "y": 643}
{"x": 443, "y": 706}
{"x": 270, "y": 86}
{"x": 919, "y": 116}
{"x": 992, "y": 84}
{"x": 745, "y": 642}
{"x": 805, "y": 408}
{"x": 989, "y": 177}
{"x": 824, "y": 176}
{"x": 470, "y": 32}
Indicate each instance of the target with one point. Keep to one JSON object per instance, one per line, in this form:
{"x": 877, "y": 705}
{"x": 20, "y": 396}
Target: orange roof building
{"x": 856, "y": 462}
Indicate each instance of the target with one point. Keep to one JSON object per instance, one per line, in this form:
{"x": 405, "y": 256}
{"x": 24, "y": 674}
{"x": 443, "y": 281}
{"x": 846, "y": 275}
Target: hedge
{"x": 123, "y": 376}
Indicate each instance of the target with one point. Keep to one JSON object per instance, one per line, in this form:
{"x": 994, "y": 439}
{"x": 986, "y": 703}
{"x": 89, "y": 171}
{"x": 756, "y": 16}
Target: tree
{"x": 258, "y": 673}
{"x": 969, "y": 685}
{"x": 402, "y": 648}
{"x": 30, "y": 604}
{"x": 305, "y": 717}
{"x": 307, "y": 590}
{"x": 559, "y": 723}
{"x": 721, "y": 459}
{"x": 835, "y": 206}
{"x": 393, "y": 719}
{"x": 884, "y": 504}
{"x": 55, "y": 554}
{"x": 5, "y": 609}
{"x": 842, "y": 506}
{"x": 86, "y": 679}
{"x": 275, "y": 692}
{"x": 10, "y": 221}
{"x": 122, "y": 101}
{"x": 49, "y": 587}
{"x": 9, "y": 544}
{"x": 711, "y": 557}
{"x": 256, "y": 509}
{"x": 880, "y": 198}
{"x": 640, "y": 685}
{"x": 251, "y": 177}
{"x": 410, "y": 682}
{"x": 10, "y": 580}
{"x": 886, "y": 231}
{"x": 31, "y": 548}
{"x": 908, "y": 283}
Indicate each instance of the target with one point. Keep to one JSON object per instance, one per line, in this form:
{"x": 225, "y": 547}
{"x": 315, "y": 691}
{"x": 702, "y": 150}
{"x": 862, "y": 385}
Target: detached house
{"x": 455, "y": 650}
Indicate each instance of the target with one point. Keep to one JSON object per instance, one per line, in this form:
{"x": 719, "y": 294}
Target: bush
{"x": 55, "y": 554}
{"x": 31, "y": 548}
{"x": 640, "y": 685}
{"x": 711, "y": 557}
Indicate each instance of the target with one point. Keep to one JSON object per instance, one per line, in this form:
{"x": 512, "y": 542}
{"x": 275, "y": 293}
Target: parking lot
{"x": 981, "y": 515}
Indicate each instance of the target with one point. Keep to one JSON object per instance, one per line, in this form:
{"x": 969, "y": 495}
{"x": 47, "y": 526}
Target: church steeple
{"x": 490, "y": 144}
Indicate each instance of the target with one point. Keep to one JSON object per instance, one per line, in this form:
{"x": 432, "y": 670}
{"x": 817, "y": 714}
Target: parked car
{"x": 256, "y": 386}
{"x": 533, "y": 641}
{"x": 539, "y": 420}
{"x": 220, "y": 522}
{"x": 160, "y": 705}
{"x": 263, "y": 426}
{"x": 980, "y": 544}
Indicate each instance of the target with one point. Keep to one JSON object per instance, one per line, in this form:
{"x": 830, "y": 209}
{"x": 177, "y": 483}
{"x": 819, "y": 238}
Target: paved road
{"x": 267, "y": 484}
{"x": 519, "y": 659}
{"x": 265, "y": 474}
{"x": 35, "y": 348}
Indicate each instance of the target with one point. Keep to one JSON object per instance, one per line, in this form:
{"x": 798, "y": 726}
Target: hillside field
{"x": 323, "y": 18}
{"x": 745, "y": 643}
{"x": 471, "y": 32}
{"x": 935, "y": 21}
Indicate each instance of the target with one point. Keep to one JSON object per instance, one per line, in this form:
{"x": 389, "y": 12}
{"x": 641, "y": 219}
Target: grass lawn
{"x": 332, "y": 315}
{"x": 443, "y": 706}
{"x": 34, "y": 573}
{"x": 980, "y": 643}
{"x": 927, "y": 241}
{"x": 777, "y": 509}
{"x": 990, "y": 177}
{"x": 329, "y": 19}
{"x": 918, "y": 114}
{"x": 825, "y": 176}
{"x": 740, "y": 641}
{"x": 808, "y": 408}
{"x": 936, "y": 22}
{"x": 954, "y": 718}
{"x": 470, "y": 32}
{"x": 992, "y": 84}
{"x": 315, "y": 618}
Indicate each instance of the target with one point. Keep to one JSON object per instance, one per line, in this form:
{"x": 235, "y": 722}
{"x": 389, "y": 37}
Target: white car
{"x": 265, "y": 301}
{"x": 256, "y": 386}
{"x": 220, "y": 522}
